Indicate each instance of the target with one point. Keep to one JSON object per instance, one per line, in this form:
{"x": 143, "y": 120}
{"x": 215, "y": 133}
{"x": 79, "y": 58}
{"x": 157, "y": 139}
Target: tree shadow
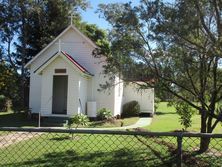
{"x": 60, "y": 138}
{"x": 96, "y": 123}
{"x": 164, "y": 113}
{"x": 121, "y": 157}
{"x": 18, "y": 119}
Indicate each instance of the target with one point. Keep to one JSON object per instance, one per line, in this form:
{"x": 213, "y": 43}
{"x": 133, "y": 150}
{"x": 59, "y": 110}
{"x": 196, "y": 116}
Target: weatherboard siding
{"x": 35, "y": 92}
{"x": 118, "y": 98}
{"x": 144, "y": 97}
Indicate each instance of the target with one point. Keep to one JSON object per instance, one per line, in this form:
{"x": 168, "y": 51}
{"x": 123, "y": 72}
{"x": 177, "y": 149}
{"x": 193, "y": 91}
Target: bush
{"x": 131, "y": 109}
{"x": 157, "y": 101}
{"x": 78, "y": 119}
{"x": 104, "y": 114}
{"x": 185, "y": 112}
{"x": 3, "y": 103}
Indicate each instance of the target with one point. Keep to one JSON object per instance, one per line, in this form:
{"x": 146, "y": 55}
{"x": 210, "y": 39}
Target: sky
{"x": 93, "y": 18}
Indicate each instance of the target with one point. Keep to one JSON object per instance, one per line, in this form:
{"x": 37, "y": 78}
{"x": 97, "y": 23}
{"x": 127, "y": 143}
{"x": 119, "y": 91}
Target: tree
{"x": 8, "y": 29}
{"x": 8, "y": 80}
{"x": 177, "y": 46}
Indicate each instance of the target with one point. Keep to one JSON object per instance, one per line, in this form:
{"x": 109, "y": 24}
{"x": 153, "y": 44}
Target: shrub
{"x": 3, "y": 103}
{"x": 104, "y": 114}
{"x": 78, "y": 119}
{"x": 131, "y": 109}
{"x": 185, "y": 112}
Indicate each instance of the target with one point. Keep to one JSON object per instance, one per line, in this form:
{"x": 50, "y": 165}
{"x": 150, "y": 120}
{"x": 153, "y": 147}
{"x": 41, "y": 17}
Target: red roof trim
{"x": 80, "y": 67}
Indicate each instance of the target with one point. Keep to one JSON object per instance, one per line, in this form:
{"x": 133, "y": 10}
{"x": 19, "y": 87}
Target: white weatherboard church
{"x": 65, "y": 78}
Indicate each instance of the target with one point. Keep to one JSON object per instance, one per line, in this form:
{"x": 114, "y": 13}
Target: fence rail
{"x": 67, "y": 147}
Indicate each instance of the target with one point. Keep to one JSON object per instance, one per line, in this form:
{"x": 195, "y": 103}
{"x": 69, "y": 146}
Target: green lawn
{"x": 83, "y": 150}
{"x": 53, "y": 149}
{"x": 11, "y": 119}
{"x": 166, "y": 119}
{"x": 116, "y": 123}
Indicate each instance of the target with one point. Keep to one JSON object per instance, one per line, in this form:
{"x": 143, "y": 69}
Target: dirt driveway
{"x": 13, "y": 138}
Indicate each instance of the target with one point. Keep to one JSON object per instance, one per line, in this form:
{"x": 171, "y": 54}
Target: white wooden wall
{"x": 144, "y": 97}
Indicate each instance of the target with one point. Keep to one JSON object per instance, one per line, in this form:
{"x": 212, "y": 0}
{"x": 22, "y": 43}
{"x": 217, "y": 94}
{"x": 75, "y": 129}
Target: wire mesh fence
{"x": 57, "y": 147}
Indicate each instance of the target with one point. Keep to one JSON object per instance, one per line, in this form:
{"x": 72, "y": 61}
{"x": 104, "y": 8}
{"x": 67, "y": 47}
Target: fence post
{"x": 179, "y": 150}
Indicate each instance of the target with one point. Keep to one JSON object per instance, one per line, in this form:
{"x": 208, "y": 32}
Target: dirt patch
{"x": 13, "y": 138}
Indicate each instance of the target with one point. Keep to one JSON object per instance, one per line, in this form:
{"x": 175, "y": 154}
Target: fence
{"x": 57, "y": 147}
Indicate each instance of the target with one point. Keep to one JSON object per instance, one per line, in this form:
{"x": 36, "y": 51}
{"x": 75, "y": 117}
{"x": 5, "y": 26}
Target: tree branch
{"x": 203, "y": 22}
{"x": 218, "y": 19}
{"x": 181, "y": 97}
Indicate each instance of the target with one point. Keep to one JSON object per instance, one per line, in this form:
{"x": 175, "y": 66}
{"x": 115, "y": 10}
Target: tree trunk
{"x": 204, "y": 144}
{"x": 204, "y": 141}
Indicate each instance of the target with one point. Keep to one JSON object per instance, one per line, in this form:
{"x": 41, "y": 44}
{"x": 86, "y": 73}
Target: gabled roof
{"x": 59, "y": 36}
{"x": 66, "y": 57}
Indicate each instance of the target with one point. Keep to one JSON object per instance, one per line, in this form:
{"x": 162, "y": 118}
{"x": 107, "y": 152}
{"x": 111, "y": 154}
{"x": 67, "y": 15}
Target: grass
{"x": 84, "y": 150}
{"x": 166, "y": 119}
{"x": 116, "y": 123}
{"x": 11, "y": 119}
{"x": 53, "y": 149}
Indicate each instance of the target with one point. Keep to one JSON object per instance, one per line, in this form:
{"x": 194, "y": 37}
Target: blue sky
{"x": 91, "y": 17}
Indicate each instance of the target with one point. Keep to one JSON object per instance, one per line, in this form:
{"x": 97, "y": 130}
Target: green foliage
{"x": 180, "y": 62}
{"x": 156, "y": 104}
{"x": 3, "y": 103}
{"x": 8, "y": 80}
{"x": 130, "y": 109}
{"x": 9, "y": 85}
{"x": 104, "y": 114}
{"x": 77, "y": 120}
{"x": 97, "y": 35}
{"x": 185, "y": 112}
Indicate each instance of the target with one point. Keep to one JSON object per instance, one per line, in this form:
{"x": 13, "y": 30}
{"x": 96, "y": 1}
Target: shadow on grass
{"x": 61, "y": 138}
{"x": 16, "y": 120}
{"x": 164, "y": 113}
{"x": 120, "y": 157}
{"x": 20, "y": 119}
{"x": 96, "y": 123}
